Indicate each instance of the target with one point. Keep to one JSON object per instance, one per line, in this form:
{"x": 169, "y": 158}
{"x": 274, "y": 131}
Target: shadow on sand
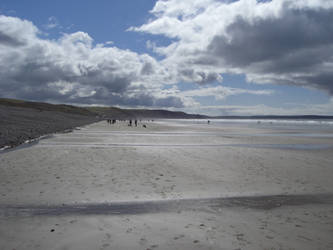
{"x": 171, "y": 205}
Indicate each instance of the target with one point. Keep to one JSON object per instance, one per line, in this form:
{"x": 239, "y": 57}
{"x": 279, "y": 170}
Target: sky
{"x": 211, "y": 57}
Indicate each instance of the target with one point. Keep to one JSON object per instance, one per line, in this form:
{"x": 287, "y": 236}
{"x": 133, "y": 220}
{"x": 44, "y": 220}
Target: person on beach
{"x": 130, "y": 123}
{"x": 136, "y": 123}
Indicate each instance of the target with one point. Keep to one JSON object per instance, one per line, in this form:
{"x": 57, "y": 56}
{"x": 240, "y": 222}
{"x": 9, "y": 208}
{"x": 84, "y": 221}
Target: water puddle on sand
{"x": 288, "y": 146}
{"x": 198, "y": 133}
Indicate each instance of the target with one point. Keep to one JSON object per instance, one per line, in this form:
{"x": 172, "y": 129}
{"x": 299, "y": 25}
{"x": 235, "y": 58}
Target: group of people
{"x": 130, "y": 122}
{"x": 109, "y": 121}
{"x": 135, "y": 122}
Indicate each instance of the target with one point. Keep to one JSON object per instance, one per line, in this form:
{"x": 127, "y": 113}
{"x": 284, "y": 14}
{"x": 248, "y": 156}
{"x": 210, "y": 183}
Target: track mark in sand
{"x": 158, "y": 206}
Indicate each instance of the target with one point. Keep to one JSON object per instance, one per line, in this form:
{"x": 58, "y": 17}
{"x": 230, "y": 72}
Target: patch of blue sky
{"x": 103, "y": 20}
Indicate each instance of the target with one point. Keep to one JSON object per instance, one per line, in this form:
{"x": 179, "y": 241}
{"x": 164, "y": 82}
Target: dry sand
{"x": 169, "y": 186}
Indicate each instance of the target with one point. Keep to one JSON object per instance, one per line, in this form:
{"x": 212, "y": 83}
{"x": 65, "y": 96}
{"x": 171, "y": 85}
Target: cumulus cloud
{"x": 73, "y": 70}
{"x": 278, "y": 41}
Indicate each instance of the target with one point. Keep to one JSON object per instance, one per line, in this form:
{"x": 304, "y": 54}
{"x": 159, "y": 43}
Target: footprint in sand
{"x": 179, "y": 237}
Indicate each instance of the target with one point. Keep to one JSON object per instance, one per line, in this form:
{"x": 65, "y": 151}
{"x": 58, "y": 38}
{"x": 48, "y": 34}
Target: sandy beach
{"x": 171, "y": 185}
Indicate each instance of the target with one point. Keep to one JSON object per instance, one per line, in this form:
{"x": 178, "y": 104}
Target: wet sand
{"x": 264, "y": 202}
{"x": 168, "y": 186}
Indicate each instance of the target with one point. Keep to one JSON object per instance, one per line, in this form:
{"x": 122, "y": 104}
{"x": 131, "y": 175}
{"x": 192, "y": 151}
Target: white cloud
{"x": 262, "y": 109}
{"x": 52, "y": 23}
{"x": 278, "y": 41}
{"x": 71, "y": 69}
{"x": 221, "y": 92}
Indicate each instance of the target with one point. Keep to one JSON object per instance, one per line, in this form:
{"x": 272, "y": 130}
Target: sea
{"x": 278, "y": 127}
